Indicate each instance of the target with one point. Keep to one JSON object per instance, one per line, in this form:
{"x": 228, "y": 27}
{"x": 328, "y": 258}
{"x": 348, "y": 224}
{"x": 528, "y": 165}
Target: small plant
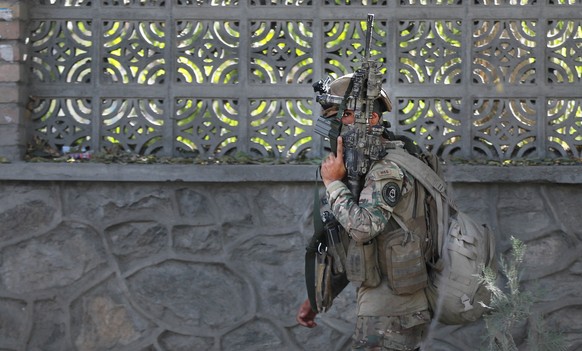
{"x": 513, "y": 308}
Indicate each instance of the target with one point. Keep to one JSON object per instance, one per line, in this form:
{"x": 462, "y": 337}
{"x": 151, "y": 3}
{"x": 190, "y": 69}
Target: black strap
{"x": 311, "y": 249}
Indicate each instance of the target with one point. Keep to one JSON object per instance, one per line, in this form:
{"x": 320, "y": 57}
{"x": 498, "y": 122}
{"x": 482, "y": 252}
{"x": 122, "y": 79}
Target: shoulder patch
{"x": 391, "y": 193}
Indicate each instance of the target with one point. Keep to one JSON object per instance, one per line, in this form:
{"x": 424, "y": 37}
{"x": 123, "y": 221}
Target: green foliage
{"x": 41, "y": 151}
{"x": 512, "y": 308}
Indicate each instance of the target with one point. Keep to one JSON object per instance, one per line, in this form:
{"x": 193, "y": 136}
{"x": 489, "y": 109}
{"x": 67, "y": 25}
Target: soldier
{"x": 392, "y": 307}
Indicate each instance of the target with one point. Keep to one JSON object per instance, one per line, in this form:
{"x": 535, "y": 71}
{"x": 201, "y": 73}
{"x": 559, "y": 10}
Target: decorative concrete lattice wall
{"x": 473, "y": 79}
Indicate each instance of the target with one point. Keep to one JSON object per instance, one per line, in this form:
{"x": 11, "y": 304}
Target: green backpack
{"x": 462, "y": 246}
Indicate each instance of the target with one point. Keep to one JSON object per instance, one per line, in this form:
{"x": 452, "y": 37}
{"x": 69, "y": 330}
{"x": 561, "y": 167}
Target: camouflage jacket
{"x": 387, "y": 189}
{"x": 385, "y": 185}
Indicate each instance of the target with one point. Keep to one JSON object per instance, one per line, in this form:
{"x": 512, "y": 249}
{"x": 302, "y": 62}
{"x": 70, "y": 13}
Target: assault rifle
{"x": 362, "y": 145}
{"x": 362, "y": 142}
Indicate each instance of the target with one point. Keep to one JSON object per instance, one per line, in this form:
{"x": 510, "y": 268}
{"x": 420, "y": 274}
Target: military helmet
{"x": 339, "y": 86}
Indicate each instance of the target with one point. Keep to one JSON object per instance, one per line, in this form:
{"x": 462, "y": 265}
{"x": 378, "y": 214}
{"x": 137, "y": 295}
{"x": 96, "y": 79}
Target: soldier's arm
{"x": 368, "y": 218}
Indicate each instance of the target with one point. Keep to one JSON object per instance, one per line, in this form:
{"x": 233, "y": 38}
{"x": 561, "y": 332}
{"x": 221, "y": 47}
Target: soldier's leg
{"x": 387, "y": 334}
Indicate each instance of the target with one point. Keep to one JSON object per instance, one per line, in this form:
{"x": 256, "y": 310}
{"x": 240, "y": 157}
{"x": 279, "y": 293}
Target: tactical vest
{"x": 333, "y": 259}
{"x": 397, "y": 254}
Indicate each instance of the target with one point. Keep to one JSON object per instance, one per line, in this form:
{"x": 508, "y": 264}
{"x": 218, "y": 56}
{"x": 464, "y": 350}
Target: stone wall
{"x": 181, "y": 265}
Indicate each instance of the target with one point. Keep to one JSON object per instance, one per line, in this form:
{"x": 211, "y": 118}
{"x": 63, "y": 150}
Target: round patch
{"x": 391, "y": 193}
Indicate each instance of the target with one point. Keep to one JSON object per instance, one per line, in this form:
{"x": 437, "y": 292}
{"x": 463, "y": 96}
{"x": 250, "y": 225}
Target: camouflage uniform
{"x": 386, "y": 320}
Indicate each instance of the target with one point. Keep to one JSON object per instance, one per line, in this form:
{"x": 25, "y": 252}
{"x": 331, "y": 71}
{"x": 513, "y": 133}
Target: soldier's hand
{"x": 333, "y": 167}
{"x": 305, "y": 315}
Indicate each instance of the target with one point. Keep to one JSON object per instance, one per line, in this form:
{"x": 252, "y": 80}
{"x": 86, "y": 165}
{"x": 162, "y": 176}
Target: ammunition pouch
{"x": 362, "y": 263}
{"x": 330, "y": 258}
{"x": 335, "y": 247}
{"x": 323, "y": 293}
{"x": 328, "y": 284}
{"x": 402, "y": 262}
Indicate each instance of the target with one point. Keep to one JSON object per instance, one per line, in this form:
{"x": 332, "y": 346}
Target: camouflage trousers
{"x": 390, "y": 333}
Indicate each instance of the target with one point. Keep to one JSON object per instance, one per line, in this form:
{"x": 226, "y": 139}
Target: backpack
{"x": 462, "y": 247}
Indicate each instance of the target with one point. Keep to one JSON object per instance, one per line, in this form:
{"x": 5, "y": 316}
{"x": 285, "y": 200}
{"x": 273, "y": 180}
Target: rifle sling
{"x": 311, "y": 250}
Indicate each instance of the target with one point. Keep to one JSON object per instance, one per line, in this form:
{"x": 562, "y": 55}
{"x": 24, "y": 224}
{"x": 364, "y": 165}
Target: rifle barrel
{"x": 369, "y": 37}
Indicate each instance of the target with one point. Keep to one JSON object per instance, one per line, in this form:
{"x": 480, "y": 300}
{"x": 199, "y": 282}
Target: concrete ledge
{"x": 156, "y": 172}
{"x": 514, "y": 174}
{"x": 95, "y": 172}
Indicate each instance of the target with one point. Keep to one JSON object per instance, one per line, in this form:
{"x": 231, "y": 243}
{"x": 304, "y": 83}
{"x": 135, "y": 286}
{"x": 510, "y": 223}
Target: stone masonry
{"x": 219, "y": 266}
